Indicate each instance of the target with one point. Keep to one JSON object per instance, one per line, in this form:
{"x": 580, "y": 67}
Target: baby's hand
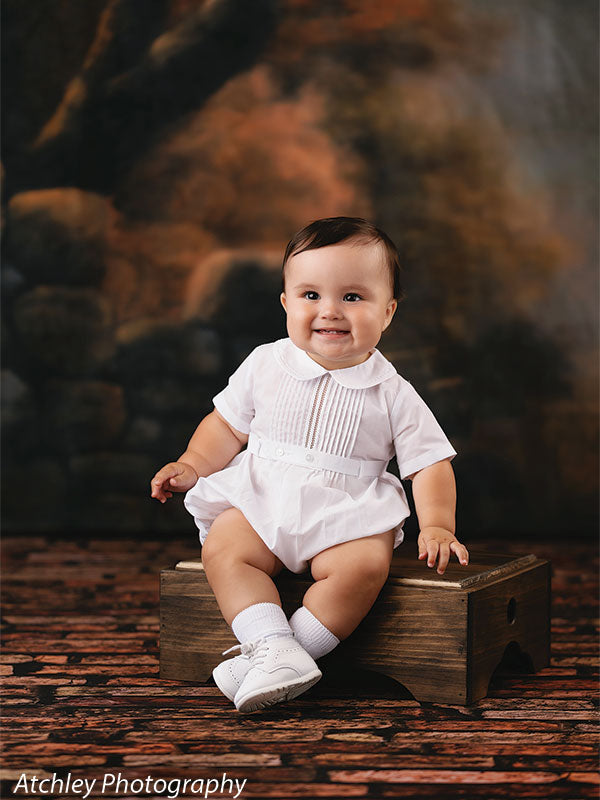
{"x": 434, "y": 542}
{"x": 174, "y": 477}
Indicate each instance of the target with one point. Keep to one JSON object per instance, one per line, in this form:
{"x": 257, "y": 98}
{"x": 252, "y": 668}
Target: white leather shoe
{"x": 229, "y": 674}
{"x": 280, "y": 670}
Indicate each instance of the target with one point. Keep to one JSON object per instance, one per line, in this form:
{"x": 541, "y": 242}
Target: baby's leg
{"x": 348, "y": 578}
{"x": 271, "y": 666}
{"x": 238, "y": 565}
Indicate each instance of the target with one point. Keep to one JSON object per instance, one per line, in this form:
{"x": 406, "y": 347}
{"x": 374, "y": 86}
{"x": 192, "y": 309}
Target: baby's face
{"x": 338, "y": 301}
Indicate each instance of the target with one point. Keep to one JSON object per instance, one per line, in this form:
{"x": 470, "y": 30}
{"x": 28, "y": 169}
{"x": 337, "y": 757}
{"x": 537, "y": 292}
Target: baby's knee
{"x": 214, "y": 550}
{"x": 232, "y": 542}
{"x": 220, "y": 544}
{"x": 367, "y": 570}
{"x": 366, "y": 575}
{"x": 374, "y": 570}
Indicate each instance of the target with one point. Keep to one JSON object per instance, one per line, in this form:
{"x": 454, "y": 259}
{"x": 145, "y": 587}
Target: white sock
{"x": 261, "y": 620}
{"x": 311, "y": 634}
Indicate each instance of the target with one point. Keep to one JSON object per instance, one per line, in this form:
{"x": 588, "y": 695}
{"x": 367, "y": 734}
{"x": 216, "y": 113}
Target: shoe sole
{"x": 263, "y": 698}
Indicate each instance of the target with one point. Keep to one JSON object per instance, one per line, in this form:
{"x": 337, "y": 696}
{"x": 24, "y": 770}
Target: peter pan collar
{"x": 301, "y": 366}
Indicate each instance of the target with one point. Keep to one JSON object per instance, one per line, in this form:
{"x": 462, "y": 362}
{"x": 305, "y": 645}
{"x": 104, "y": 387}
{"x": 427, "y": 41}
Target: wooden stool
{"x": 441, "y": 636}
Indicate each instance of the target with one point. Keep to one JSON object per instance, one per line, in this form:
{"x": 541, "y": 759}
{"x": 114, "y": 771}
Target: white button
{"x": 308, "y": 457}
{"x": 279, "y": 451}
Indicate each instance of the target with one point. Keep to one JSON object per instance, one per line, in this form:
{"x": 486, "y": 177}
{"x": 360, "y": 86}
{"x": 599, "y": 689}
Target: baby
{"x": 321, "y": 413}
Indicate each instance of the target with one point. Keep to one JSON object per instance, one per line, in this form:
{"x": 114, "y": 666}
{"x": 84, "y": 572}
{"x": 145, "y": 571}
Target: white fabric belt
{"x": 311, "y": 459}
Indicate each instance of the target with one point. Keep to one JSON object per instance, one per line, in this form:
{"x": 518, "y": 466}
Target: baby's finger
{"x": 444, "y": 558}
{"x": 162, "y": 476}
{"x": 157, "y": 490}
{"x": 156, "y": 485}
{"x": 167, "y": 472}
{"x": 159, "y": 483}
{"x": 432, "y": 552}
{"x": 461, "y": 552}
{"x": 158, "y": 493}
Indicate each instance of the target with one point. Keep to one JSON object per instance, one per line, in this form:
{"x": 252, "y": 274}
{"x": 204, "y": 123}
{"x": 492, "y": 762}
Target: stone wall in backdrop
{"x": 93, "y": 405}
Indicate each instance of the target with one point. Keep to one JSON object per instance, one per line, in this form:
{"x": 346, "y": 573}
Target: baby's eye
{"x": 310, "y": 295}
{"x": 352, "y": 297}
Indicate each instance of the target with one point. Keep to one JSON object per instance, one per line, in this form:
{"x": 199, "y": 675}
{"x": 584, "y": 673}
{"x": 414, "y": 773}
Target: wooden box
{"x": 441, "y": 636}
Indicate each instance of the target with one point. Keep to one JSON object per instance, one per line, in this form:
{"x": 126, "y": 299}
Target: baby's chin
{"x": 339, "y": 363}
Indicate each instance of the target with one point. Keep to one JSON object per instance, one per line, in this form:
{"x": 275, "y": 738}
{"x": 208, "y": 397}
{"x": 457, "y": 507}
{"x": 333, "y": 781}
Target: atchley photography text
{"x": 115, "y": 785}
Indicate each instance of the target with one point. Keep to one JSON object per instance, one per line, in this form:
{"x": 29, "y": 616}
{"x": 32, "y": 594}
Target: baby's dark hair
{"x": 332, "y": 230}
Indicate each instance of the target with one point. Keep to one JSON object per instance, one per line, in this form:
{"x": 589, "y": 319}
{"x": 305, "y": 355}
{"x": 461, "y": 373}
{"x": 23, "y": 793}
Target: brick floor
{"x": 82, "y": 696}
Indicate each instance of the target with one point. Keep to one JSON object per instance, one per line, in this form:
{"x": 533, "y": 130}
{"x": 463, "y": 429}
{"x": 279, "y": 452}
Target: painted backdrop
{"x": 157, "y": 156}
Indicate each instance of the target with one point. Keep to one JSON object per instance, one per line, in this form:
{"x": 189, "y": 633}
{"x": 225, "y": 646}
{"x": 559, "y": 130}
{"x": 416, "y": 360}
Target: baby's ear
{"x": 283, "y": 301}
{"x": 389, "y": 312}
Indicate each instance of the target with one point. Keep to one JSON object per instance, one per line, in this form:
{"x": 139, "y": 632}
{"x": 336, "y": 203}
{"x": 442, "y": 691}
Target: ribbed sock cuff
{"x": 311, "y": 634}
{"x": 260, "y": 620}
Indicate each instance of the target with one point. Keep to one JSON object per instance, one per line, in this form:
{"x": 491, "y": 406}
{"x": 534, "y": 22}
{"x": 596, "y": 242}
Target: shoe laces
{"x": 254, "y": 650}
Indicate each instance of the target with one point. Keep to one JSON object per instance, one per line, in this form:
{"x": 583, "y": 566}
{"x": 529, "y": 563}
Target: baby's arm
{"x": 434, "y": 493}
{"x": 214, "y": 443}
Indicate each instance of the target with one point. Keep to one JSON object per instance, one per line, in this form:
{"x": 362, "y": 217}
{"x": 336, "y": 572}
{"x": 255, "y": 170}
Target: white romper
{"x": 314, "y": 472}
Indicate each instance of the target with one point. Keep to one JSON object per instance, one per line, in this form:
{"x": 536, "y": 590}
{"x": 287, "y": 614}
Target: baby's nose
{"x": 330, "y": 309}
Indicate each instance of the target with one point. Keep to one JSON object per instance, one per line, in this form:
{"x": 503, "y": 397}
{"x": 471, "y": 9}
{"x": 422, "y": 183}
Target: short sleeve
{"x": 236, "y": 402}
{"x": 419, "y": 440}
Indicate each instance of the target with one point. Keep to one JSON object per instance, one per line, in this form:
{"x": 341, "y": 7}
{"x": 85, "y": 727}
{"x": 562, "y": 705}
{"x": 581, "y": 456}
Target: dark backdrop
{"x": 159, "y": 153}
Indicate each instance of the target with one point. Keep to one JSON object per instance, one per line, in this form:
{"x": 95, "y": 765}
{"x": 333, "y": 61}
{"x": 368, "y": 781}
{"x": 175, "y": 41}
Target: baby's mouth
{"x": 334, "y": 333}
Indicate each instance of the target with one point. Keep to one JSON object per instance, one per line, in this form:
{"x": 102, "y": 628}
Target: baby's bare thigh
{"x": 231, "y": 536}
{"x": 361, "y": 556}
